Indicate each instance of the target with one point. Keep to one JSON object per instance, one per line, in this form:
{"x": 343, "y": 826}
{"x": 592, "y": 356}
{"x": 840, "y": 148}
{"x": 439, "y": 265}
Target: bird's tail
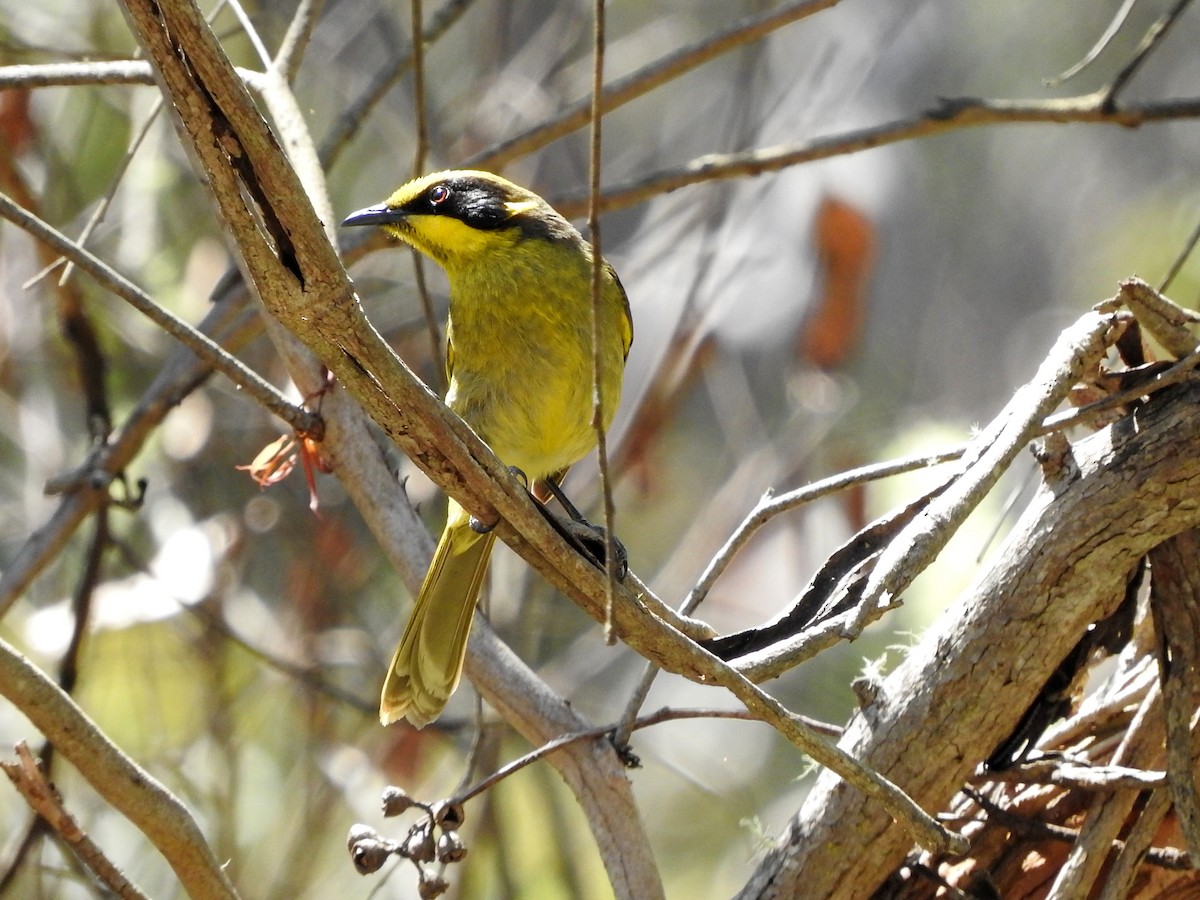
{"x": 428, "y": 663}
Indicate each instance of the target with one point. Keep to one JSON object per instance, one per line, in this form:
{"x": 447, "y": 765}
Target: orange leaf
{"x": 845, "y": 244}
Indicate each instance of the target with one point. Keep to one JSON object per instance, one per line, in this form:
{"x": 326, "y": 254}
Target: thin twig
{"x": 1150, "y": 40}
{"x": 1065, "y": 773}
{"x": 1103, "y": 41}
{"x": 251, "y": 32}
{"x": 646, "y": 79}
{"x": 1188, "y": 246}
{"x": 295, "y": 41}
{"x": 656, "y": 718}
{"x": 770, "y": 506}
{"x": 599, "y": 336}
{"x": 231, "y": 367}
{"x": 71, "y": 74}
{"x": 439, "y": 374}
{"x": 300, "y": 673}
{"x": 97, "y": 215}
{"x": 29, "y": 779}
{"x": 348, "y": 123}
{"x": 949, "y": 114}
{"x": 78, "y": 328}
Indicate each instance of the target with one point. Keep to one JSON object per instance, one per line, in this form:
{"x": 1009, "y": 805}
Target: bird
{"x": 520, "y": 368}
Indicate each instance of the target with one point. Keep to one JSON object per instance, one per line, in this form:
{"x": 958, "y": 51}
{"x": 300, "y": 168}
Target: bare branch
{"x": 641, "y": 82}
{"x": 129, "y": 788}
{"x": 1150, "y": 40}
{"x": 949, "y": 115}
{"x": 229, "y": 323}
{"x": 28, "y": 778}
{"x": 234, "y": 369}
{"x": 1000, "y": 641}
{"x": 1077, "y": 350}
{"x": 770, "y": 506}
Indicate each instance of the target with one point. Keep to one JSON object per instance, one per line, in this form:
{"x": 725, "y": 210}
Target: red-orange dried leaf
{"x": 845, "y": 244}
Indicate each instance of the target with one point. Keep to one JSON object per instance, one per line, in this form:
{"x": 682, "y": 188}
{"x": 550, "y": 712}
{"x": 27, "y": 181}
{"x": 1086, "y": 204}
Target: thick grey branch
{"x": 962, "y": 689}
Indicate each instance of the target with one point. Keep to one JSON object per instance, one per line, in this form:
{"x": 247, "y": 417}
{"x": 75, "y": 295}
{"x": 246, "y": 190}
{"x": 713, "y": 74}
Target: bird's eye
{"x": 438, "y": 195}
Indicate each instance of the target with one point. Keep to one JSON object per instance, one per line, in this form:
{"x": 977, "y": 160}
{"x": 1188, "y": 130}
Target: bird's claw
{"x": 480, "y": 527}
{"x": 593, "y": 541}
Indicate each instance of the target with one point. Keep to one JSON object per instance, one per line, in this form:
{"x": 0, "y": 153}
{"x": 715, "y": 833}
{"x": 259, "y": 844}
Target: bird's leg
{"x": 586, "y": 538}
{"x": 582, "y": 534}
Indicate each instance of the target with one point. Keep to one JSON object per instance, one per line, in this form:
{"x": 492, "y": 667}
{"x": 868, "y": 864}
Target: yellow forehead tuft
{"x": 516, "y": 207}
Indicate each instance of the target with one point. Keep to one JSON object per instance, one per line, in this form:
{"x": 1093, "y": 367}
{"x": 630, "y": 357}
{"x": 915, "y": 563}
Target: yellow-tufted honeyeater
{"x": 520, "y": 365}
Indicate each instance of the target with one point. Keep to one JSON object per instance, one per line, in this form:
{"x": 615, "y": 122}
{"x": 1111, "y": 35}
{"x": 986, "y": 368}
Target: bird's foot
{"x": 593, "y": 541}
{"x": 480, "y": 527}
{"x": 590, "y": 539}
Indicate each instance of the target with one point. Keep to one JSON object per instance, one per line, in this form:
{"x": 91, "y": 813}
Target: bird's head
{"x": 458, "y": 217}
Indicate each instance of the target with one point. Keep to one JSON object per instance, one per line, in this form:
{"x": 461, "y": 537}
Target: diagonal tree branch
{"x": 129, "y": 788}
{"x": 1064, "y": 567}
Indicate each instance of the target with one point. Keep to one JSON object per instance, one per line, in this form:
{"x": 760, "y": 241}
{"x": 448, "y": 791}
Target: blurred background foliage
{"x": 788, "y": 326}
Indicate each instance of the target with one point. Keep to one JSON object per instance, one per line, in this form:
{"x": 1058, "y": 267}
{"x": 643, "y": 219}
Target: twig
{"x": 126, "y": 71}
{"x": 1076, "y": 351}
{"x": 295, "y": 41}
{"x": 232, "y": 368}
{"x": 598, "y": 330}
{"x": 436, "y": 345}
{"x": 1077, "y": 777}
{"x": 1150, "y": 40}
{"x": 646, "y": 79}
{"x": 770, "y": 506}
{"x": 1163, "y": 857}
{"x": 348, "y": 123}
{"x": 922, "y": 827}
{"x": 76, "y": 74}
{"x": 950, "y": 114}
{"x": 130, "y": 789}
{"x": 251, "y": 32}
{"x": 81, "y": 607}
{"x": 44, "y": 799}
{"x": 1103, "y": 41}
{"x": 303, "y": 674}
{"x": 656, "y": 718}
{"x": 1188, "y": 246}
{"x": 74, "y": 322}
{"x": 97, "y": 215}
